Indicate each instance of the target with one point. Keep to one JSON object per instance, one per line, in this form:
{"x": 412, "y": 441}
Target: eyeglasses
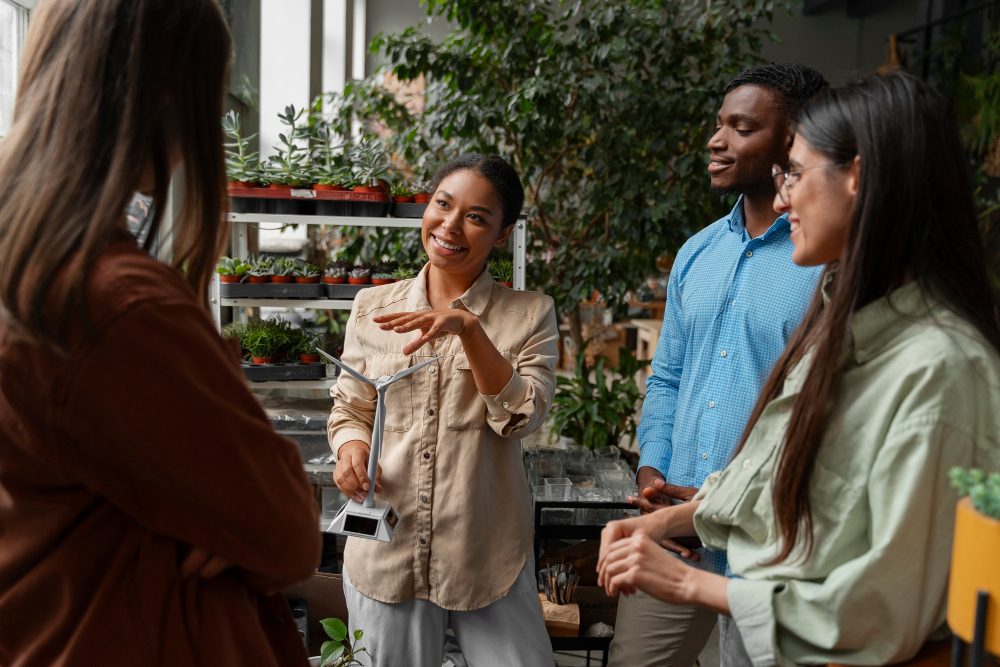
{"x": 784, "y": 180}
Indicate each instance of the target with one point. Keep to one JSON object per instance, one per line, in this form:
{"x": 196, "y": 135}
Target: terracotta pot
{"x": 974, "y": 557}
{"x": 403, "y": 199}
{"x": 281, "y": 279}
{"x": 382, "y": 281}
{"x": 260, "y": 361}
{"x": 421, "y": 198}
{"x": 507, "y": 283}
{"x": 240, "y": 184}
{"x": 306, "y": 280}
{"x": 381, "y": 186}
{"x": 228, "y": 278}
{"x": 334, "y": 187}
{"x": 363, "y": 188}
{"x": 359, "y": 281}
{"x": 309, "y": 358}
{"x": 257, "y": 280}
{"x": 331, "y": 280}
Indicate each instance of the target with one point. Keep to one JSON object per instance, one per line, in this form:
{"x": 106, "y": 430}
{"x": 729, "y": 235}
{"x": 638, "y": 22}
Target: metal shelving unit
{"x": 240, "y": 248}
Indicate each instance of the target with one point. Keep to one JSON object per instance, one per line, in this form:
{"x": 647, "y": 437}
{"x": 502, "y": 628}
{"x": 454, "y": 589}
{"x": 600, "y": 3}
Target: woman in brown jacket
{"x": 148, "y": 513}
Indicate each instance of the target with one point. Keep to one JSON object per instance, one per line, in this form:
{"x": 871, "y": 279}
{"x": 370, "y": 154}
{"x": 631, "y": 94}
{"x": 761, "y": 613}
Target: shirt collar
{"x": 475, "y": 299}
{"x": 875, "y": 325}
{"x": 738, "y": 224}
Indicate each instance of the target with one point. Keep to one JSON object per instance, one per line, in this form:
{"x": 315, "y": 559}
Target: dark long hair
{"x": 107, "y": 87}
{"x": 913, "y": 219}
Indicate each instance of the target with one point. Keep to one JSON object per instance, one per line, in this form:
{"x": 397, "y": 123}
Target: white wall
{"x": 284, "y": 63}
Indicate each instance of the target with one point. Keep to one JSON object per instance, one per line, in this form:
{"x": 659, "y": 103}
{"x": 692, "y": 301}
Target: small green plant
{"x": 289, "y": 164}
{"x": 597, "y": 412}
{"x": 370, "y": 161}
{"x": 232, "y": 266}
{"x": 501, "y": 268}
{"x": 262, "y": 266}
{"x": 307, "y": 270}
{"x": 404, "y": 273}
{"x": 303, "y": 342}
{"x": 329, "y": 163}
{"x": 983, "y": 490}
{"x": 283, "y": 267}
{"x": 242, "y": 164}
{"x": 338, "y": 651}
{"x": 401, "y": 189}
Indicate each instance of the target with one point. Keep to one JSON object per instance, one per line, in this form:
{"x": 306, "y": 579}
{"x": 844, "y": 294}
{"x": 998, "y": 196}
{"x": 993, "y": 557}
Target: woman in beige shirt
{"x": 451, "y": 456}
{"x": 836, "y": 512}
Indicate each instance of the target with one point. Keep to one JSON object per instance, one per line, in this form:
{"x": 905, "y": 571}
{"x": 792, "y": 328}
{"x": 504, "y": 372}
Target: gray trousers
{"x": 732, "y": 653}
{"x": 508, "y": 633}
{"x": 651, "y": 633}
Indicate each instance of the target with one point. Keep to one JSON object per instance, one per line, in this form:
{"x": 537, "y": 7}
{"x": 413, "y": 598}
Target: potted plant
{"x": 360, "y": 275}
{"x": 336, "y": 274}
{"x": 382, "y": 273}
{"x": 502, "y": 270}
{"x": 330, "y": 171}
{"x": 370, "y": 164}
{"x": 307, "y": 273}
{"x": 231, "y": 269}
{"x": 304, "y": 346}
{"x": 283, "y": 270}
{"x": 401, "y": 193}
{"x": 421, "y": 192}
{"x": 404, "y": 273}
{"x": 236, "y": 331}
{"x": 261, "y": 270}
{"x": 288, "y": 166}
{"x": 261, "y": 342}
{"x": 242, "y": 164}
{"x": 975, "y": 577}
{"x": 339, "y": 651}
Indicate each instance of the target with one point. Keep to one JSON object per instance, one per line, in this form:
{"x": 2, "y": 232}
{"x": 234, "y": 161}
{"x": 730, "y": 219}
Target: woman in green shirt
{"x": 835, "y": 512}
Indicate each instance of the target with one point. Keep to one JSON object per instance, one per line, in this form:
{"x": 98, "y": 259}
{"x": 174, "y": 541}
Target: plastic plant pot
{"x": 257, "y": 280}
{"x": 260, "y": 361}
{"x": 308, "y": 358}
{"x": 306, "y": 280}
{"x": 229, "y": 278}
{"x": 281, "y": 279}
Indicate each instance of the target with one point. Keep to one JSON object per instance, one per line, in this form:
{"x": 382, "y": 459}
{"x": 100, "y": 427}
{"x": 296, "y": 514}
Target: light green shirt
{"x": 919, "y": 393}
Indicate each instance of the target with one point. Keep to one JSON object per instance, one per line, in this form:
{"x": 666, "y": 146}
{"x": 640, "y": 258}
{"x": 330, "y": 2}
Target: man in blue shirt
{"x": 733, "y": 300}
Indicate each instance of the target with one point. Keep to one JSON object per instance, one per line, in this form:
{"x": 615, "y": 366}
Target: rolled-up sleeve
{"x": 353, "y": 413}
{"x": 520, "y": 407}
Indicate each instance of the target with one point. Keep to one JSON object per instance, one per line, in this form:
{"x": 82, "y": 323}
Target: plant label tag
{"x": 303, "y": 194}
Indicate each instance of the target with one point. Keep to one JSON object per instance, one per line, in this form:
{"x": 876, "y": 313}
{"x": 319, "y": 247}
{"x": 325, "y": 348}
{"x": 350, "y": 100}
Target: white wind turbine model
{"x": 372, "y": 519}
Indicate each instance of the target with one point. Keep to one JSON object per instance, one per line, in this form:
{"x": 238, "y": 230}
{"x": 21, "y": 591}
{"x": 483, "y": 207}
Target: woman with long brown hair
{"x": 835, "y": 512}
{"x": 148, "y": 512}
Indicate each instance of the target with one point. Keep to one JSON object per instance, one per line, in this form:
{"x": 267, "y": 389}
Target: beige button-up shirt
{"x": 451, "y": 457}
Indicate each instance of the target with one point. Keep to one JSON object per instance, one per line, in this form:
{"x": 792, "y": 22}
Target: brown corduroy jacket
{"x": 118, "y": 459}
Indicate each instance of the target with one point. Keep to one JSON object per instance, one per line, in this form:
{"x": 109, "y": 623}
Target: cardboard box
{"x": 595, "y": 606}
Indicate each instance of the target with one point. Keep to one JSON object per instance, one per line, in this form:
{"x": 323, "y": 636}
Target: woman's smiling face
{"x": 820, "y": 203}
{"x": 463, "y": 223}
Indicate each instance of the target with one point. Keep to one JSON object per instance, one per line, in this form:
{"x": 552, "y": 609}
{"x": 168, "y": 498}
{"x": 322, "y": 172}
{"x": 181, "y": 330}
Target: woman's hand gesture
{"x": 433, "y": 324}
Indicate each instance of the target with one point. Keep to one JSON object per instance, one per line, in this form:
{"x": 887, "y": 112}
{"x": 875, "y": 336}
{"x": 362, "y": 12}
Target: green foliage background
{"x": 604, "y": 108}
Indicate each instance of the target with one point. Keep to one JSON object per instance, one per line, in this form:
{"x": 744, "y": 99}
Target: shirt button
{"x": 711, "y": 404}
{"x": 423, "y": 541}
{"x": 723, "y": 354}
{"x": 715, "y": 518}
{"x": 733, "y": 302}
{"x": 432, "y": 370}
{"x": 749, "y": 253}
{"x": 506, "y": 405}
{"x": 423, "y": 498}
{"x": 427, "y": 456}
{"x": 747, "y": 464}
{"x": 430, "y": 412}
{"x": 704, "y": 455}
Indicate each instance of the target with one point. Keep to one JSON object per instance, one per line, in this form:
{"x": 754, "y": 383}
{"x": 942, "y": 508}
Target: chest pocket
{"x": 466, "y": 408}
{"x": 399, "y": 396}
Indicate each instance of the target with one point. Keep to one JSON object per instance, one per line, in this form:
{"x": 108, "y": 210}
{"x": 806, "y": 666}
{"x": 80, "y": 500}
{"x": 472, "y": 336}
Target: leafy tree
{"x": 603, "y": 106}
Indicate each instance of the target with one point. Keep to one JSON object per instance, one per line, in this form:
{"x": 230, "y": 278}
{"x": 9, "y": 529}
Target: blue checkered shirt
{"x": 732, "y": 304}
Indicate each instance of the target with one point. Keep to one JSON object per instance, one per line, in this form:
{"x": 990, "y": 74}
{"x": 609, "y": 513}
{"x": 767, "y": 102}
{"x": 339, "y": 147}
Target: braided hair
{"x": 794, "y": 84}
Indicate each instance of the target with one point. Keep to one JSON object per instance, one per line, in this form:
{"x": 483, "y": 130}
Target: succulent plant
{"x": 361, "y": 271}
{"x": 983, "y": 490}
{"x": 307, "y": 270}
{"x": 283, "y": 266}
{"x": 232, "y": 266}
{"x": 404, "y": 273}
{"x": 370, "y": 161}
{"x": 242, "y": 164}
{"x": 289, "y": 164}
